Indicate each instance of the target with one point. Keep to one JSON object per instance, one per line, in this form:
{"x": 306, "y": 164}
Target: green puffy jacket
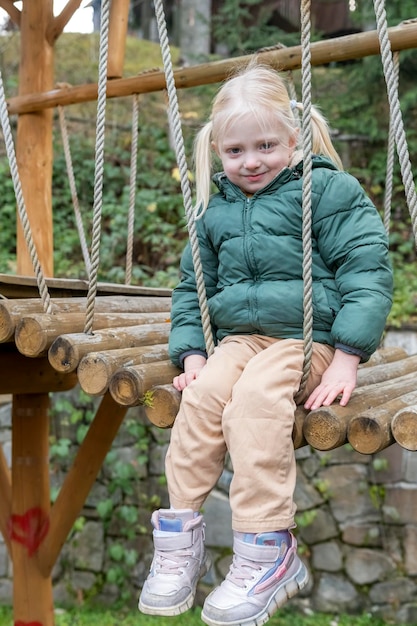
{"x": 252, "y": 258}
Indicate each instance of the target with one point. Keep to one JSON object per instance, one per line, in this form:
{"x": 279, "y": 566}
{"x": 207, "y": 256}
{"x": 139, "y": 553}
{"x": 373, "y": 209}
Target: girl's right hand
{"x": 193, "y": 365}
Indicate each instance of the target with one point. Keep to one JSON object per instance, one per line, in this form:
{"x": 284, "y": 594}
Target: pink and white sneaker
{"x": 266, "y": 572}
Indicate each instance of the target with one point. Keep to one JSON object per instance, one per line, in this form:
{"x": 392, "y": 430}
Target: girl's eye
{"x": 234, "y": 150}
{"x": 268, "y": 145}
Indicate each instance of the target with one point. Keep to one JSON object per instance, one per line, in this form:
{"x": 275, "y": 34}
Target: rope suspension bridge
{"x": 112, "y": 339}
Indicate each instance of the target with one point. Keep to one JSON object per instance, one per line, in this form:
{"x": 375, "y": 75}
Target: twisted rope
{"x": 307, "y": 144}
{"x": 395, "y": 112}
{"x": 389, "y": 177}
{"x": 23, "y": 216}
{"x": 99, "y": 166}
{"x": 174, "y": 119}
{"x": 132, "y": 189}
{"x": 73, "y": 188}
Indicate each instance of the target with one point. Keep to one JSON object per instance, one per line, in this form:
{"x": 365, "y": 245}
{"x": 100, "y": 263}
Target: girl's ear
{"x": 214, "y": 147}
{"x": 294, "y": 138}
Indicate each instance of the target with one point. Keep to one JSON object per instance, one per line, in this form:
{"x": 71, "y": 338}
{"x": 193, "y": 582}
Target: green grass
{"x": 90, "y": 617}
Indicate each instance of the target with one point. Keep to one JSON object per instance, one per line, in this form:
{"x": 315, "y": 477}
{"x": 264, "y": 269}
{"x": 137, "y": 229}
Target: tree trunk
{"x": 195, "y": 30}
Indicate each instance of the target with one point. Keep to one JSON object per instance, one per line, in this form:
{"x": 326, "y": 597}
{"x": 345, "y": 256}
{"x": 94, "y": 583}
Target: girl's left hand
{"x": 339, "y": 379}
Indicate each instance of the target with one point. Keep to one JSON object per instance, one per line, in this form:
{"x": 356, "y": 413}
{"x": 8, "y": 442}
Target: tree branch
{"x": 12, "y": 11}
{"x": 60, "y": 21}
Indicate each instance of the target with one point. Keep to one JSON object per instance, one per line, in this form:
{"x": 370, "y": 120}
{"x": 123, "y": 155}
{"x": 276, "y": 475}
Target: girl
{"x": 242, "y": 398}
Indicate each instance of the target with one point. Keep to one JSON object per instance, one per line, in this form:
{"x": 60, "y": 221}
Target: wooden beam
{"x": 19, "y": 375}
{"x": 79, "y": 480}
{"x": 345, "y": 48}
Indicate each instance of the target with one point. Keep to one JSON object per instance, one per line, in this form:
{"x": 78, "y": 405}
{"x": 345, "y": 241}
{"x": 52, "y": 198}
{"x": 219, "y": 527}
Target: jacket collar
{"x": 233, "y": 192}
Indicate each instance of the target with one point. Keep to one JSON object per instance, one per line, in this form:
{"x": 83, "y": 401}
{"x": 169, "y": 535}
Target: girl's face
{"x": 252, "y": 155}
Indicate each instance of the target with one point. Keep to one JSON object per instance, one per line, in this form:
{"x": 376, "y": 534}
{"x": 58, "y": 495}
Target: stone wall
{"x": 357, "y": 525}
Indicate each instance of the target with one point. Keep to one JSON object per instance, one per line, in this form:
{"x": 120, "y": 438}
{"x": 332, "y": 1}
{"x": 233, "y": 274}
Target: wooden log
{"x": 129, "y": 385}
{"x": 19, "y": 375}
{"x": 67, "y": 351}
{"x": 344, "y": 48}
{"x": 35, "y": 334}
{"x": 298, "y": 436}
{"x": 96, "y": 368}
{"x": 164, "y": 405}
{"x": 370, "y": 431}
{"x": 166, "y": 400}
{"x": 385, "y": 355}
{"x": 326, "y": 428}
{"x": 404, "y": 427}
{"x": 387, "y": 371}
{"x": 11, "y": 311}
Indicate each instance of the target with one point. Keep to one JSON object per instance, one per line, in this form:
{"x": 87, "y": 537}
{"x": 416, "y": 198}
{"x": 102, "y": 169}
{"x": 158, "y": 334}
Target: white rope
{"x": 21, "y": 207}
{"x": 73, "y": 189}
{"x": 307, "y": 144}
{"x": 99, "y": 166}
{"x": 389, "y": 176}
{"x": 395, "y": 111}
{"x": 174, "y": 118}
{"x": 132, "y": 189}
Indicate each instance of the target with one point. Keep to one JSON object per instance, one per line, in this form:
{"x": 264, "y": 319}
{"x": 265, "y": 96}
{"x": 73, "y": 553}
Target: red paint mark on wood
{"x": 29, "y": 529}
{"x": 20, "y": 623}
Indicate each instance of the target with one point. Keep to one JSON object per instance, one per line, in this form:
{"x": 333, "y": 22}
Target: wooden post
{"x": 118, "y": 22}
{"x": 34, "y": 135}
{"x": 29, "y": 521}
{"x": 5, "y": 499}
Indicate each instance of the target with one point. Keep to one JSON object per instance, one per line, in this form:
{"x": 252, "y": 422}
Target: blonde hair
{"x": 255, "y": 89}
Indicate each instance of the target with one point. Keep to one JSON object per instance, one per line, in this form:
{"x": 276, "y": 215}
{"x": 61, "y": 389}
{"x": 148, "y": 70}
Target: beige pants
{"x": 243, "y": 402}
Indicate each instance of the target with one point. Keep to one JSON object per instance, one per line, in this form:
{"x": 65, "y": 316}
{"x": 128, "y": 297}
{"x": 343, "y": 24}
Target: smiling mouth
{"x": 254, "y": 176}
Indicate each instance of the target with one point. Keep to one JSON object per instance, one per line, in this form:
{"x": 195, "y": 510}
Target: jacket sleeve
{"x": 186, "y": 325}
{"x": 353, "y": 243}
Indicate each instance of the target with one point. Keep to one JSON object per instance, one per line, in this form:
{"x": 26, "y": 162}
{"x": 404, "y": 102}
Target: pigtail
{"x": 203, "y": 157}
{"x": 322, "y": 143}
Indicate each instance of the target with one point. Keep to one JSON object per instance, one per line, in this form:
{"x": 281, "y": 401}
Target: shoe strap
{"x": 254, "y": 552}
{"x": 169, "y": 542}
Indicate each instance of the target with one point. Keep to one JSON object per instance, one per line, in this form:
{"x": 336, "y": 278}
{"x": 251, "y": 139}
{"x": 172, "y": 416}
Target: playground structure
{"x": 124, "y": 354}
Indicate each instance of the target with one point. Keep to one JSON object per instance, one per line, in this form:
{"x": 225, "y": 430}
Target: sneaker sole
{"x": 279, "y": 598}
{"x": 182, "y": 607}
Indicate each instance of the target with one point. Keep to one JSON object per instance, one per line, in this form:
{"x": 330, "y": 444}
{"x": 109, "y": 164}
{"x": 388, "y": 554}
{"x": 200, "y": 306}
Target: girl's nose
{"x": 251, "y": 162}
